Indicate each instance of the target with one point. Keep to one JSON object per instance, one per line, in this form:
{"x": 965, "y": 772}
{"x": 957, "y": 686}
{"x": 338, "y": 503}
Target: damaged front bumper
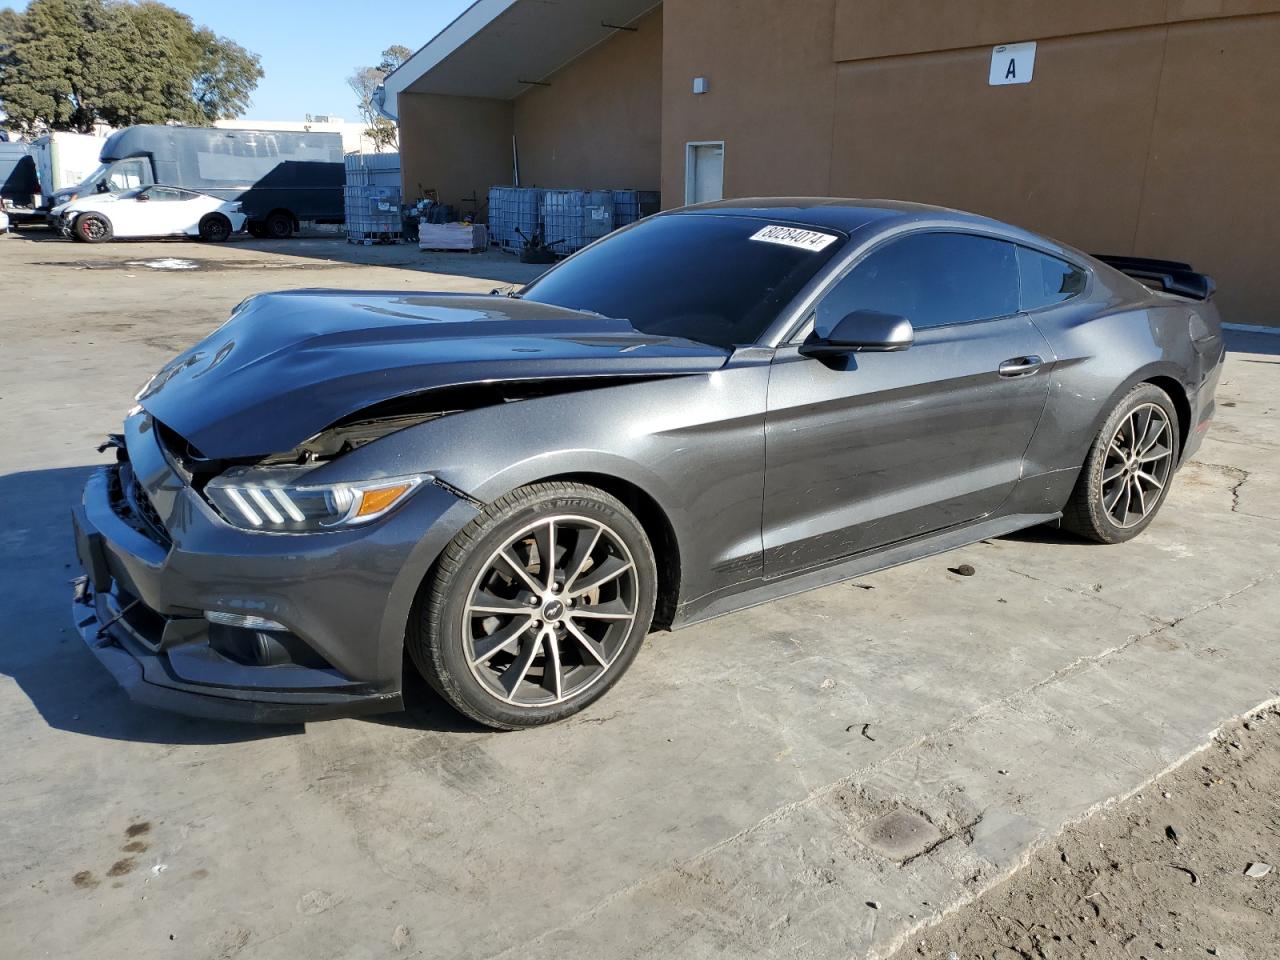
{"x": 146, "y": 675}
{"x": 156, "y": 558}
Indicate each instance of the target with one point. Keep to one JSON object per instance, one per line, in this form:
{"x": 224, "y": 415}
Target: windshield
{"x": 87, "y": 184}
{"x": 712, "y": 278}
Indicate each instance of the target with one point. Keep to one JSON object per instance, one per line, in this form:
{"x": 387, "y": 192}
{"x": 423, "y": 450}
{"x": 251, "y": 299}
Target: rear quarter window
{"x": 1047, "y": 280}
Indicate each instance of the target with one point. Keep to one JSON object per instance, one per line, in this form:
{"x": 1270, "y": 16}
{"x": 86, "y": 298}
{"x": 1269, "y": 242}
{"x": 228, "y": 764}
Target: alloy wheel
{"x": 93, "y": 229}
{"x": 550, "y": 611}
{"x": 1137, "y": 466}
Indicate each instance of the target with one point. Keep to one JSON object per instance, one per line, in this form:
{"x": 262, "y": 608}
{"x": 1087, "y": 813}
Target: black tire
{"x": 257, "y": 229}
{"x": 441, "y": 635}
{"x": 278, "y": 226}
{"x": 215, "y": 228}
{"x": 92, "y": 228}
{"x": 1115, "y": 473}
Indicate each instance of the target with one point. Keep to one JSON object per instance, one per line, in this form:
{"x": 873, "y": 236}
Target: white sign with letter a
{"x": 1012, "y": 63}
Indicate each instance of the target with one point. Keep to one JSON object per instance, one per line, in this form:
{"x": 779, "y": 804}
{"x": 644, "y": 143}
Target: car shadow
{"x": 42, "y": 652}
{"x": 1044, "y": 533}
{"x": 424, "y": 709}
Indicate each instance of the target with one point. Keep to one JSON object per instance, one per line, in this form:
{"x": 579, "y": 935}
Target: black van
{"x": 279, "y": 177}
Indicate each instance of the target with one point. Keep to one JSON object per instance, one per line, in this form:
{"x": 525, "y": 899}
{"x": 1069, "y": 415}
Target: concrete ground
{"x": 725, "y": 800}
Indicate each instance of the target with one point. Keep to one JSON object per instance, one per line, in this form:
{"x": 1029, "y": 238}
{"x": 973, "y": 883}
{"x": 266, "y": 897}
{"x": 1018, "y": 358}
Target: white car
{"x": 4, "y": 223}
{"x": 154, "y": 211}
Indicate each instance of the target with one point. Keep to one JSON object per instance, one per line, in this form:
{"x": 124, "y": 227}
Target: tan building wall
{"x": 1151, "y": 127}
{"x": 599, "y": 123}
{"x": 771, "y": 94}
{"x": 457, "y": 146}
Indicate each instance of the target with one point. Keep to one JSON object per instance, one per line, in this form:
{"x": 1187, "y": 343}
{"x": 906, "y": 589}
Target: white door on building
{"x": 704, "y": 172}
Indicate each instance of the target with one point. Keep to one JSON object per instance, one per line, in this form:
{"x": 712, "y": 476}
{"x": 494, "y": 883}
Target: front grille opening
{"x": 131, "y": 504}
{"x": 148, "y": 515}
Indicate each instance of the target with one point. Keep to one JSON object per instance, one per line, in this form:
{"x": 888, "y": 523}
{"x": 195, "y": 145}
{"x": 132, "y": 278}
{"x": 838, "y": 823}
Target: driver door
{"x": 129, "y": 216}
{"x": 166, "y": 212}
{"x": 869, "y": 449}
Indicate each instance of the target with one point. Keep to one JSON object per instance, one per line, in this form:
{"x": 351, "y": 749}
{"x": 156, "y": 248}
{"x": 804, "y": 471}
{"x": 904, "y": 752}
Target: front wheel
{"x": 92, "y": 228}
{"x": 537, "y": 607}
{"x": 1129, "y": 469}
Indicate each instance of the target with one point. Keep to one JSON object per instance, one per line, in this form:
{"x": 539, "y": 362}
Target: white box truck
{"x": 65, "y": 159}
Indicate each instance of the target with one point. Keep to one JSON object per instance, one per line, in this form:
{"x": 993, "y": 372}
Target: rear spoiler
{"x": 1170, "y": 276}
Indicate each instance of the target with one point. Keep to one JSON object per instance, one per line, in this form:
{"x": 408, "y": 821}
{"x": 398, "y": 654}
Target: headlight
{"x": 253, "y": 501}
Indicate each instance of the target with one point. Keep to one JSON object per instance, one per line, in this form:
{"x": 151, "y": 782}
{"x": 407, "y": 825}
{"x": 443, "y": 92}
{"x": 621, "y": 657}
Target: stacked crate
{"x": 631, "y": 205}
{"x": 373, "y": 214}
{"x": 372, "y": 169}
{"x": 512, "y": 209}
{"x": 571, "y": 219}
{"x": 371, "y": 198}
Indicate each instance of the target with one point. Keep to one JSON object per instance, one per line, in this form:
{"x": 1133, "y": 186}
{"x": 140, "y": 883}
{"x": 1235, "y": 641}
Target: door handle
{"x": 1020, "y": 366}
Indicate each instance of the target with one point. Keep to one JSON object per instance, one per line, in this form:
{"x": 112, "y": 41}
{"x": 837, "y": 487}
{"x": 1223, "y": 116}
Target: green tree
{"x": 225, "y": 77}
{"x": 363, "y": 83}
{"x": 68, "y": 64}
{"x": 393, "y": 56}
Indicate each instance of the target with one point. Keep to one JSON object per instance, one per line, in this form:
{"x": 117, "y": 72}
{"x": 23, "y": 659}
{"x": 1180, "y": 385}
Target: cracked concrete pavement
{"x": 717, "y": 803}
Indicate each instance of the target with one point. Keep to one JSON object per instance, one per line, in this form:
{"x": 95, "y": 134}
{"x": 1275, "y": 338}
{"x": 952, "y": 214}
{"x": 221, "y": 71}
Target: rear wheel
{"x": 537, "y": 607}
{"x": 92, "y": 228}
{"x": 214, "y": 228}
{"x": 278, "y": 226}
{"x": 1129, "y": 470}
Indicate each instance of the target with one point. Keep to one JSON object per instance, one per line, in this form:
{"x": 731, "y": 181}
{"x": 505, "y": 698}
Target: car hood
{"x": 81, "y": 204}
{"x": 287, "y": 365}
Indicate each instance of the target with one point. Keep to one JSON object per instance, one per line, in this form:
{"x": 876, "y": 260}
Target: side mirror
{"x": 103, "y": 187}
{"x": 142, "y": 196}
{"x": 866, "y": 331}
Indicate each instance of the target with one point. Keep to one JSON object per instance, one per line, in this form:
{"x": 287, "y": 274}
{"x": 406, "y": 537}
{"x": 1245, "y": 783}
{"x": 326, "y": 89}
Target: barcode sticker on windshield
{"x": 794, "y": 237}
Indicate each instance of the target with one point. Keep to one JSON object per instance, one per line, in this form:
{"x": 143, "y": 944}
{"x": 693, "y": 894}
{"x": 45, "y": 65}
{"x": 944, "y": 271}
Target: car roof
{"x": 842, "y": 214}
{"x": 853, "y": 215}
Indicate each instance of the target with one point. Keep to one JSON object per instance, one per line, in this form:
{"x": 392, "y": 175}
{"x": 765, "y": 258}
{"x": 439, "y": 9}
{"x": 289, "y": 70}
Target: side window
{"x": 1047, "y": 280}
{"x": 166, "y": 193}
{"x": 932, "y": 279}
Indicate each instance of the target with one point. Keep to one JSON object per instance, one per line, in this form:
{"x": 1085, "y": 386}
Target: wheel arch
{"x": 1181, "y": 405}
{"x": 1166, "y": 376}
{"x": 92, "y": 213}
{"x": 282, "y": 211}
{"x": 657, "y": 527}
{"x": 214, "y": 215}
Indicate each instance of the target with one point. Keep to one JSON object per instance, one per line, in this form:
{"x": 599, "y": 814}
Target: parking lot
{"x": 721, "y": 802}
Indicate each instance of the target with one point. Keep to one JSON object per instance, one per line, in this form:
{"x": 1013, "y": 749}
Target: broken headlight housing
{"x": 275, "y": 501}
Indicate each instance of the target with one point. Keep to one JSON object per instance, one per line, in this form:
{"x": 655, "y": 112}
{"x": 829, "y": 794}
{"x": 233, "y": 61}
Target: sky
{"x": 310, "y": 47}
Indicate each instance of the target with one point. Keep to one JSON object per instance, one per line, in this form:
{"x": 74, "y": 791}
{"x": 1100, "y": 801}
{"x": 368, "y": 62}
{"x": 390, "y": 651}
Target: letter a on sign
{"x": 1012, "y": 63}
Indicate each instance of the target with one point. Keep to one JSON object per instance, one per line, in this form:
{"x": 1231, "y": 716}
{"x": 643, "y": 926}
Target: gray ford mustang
{"x": 715, "y": 407}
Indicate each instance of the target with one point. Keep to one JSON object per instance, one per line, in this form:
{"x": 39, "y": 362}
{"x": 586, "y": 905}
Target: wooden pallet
{"x": 367, "y": 239}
